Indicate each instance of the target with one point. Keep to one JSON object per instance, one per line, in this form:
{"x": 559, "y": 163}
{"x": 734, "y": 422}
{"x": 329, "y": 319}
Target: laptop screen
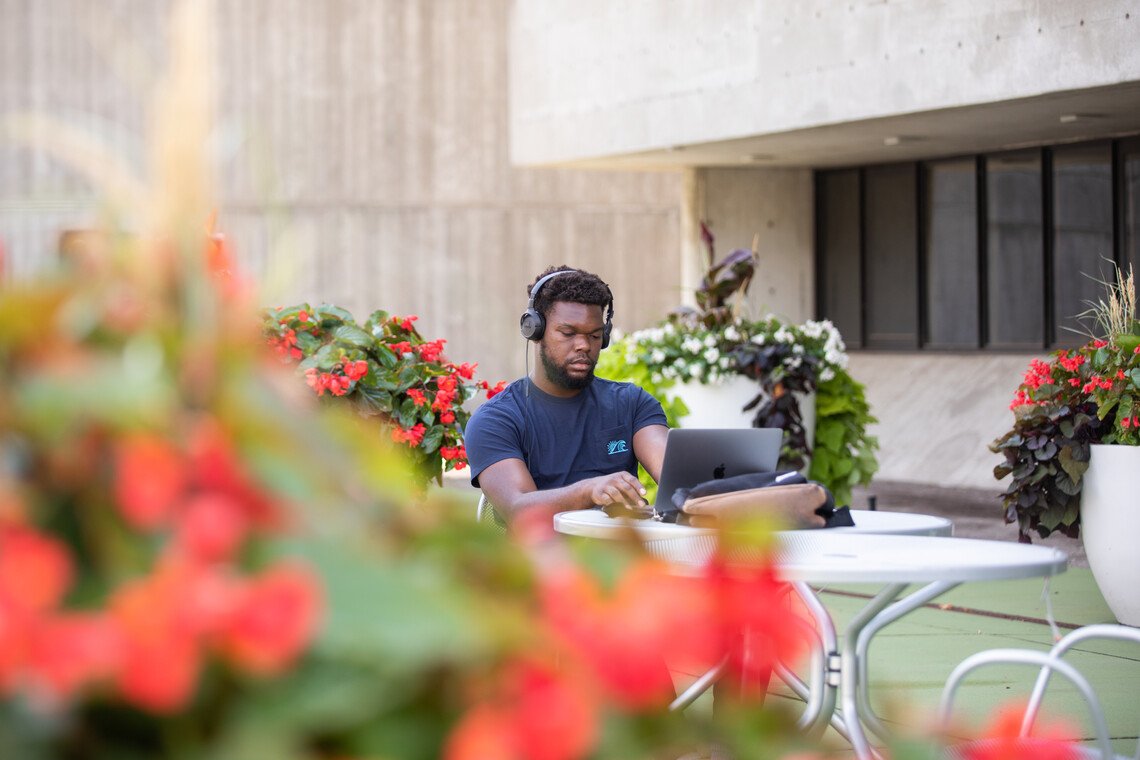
{"x": 695, "y": 455}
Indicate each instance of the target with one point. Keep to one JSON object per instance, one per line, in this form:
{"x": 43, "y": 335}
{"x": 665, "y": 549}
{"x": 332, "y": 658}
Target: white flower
{"x": 711, "y": 355}
{"x": 710, "y": 341}
{"x": 797, "y": 349}
{"x": 826, "y": 374}
{"x": 758, "y": 339}
{"x": 695, "y": 370}
{"x": 692, "y": 345}
{"x": 731, "y": 333}
{"x": 657, "y": 357}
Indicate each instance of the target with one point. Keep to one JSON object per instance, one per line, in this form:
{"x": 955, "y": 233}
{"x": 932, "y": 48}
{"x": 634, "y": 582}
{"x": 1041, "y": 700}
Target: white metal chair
{"x": 485, "y": 513}
{"x": 1049, "y": 663}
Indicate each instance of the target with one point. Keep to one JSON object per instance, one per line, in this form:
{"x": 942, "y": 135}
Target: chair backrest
{"x": 1085, "y": 633}
{"x": 485, "y": 513}
{"x": 1028, "y": 657}
{"x": 1049, "y": 663}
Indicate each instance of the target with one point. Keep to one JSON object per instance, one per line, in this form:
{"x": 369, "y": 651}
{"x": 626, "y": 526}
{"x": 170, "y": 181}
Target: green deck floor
{"x": 911, "y": 659}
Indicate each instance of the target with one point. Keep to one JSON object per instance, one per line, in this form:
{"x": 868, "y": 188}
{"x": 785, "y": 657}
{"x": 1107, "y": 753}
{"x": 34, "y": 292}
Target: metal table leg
{"x": 849, "y": 686}
{"x": 900, "y": 608}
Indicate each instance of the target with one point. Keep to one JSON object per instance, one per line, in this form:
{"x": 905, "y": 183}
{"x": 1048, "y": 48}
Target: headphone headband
{"x": 532, "y": 325}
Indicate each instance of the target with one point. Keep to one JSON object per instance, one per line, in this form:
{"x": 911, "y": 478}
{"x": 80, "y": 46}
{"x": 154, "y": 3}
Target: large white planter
{"x": 719, "y": 405}
{"x": 1110, "y": 526}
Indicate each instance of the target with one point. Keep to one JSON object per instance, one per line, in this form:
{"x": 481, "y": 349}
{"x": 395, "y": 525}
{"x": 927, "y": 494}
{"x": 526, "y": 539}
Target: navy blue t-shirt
{"x": 561, "y": 440}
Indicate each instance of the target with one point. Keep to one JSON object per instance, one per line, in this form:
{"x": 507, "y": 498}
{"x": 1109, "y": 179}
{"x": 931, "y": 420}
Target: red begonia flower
{"x": 214, "y": 466}
{"x": 211, "y": 526}
{"x": 150, "y": 476}
{"x": 1001, "y": 740}
{"x": 752, "y": 608}
{"x": 274, "y": 619}
{"x": 35, "y": 570}
{"x": 69, "y": 652}
{"x": 627, "y": 636}
{"x": 536, "y": 714}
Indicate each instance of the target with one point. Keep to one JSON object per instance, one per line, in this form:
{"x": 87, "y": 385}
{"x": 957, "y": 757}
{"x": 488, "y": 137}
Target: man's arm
{"x": 649, "y": 448}
{"x": 509, "y": 486}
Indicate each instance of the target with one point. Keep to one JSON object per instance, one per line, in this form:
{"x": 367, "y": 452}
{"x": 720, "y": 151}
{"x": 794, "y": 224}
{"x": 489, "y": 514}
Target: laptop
{"x": 694, "y": 455}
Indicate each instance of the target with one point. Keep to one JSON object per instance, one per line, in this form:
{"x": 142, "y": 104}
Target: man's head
{"x": 569, "y": 316}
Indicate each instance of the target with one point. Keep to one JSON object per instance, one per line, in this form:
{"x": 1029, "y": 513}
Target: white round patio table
{"x": 594, "y": 523}
{"x": 893, "y": 562}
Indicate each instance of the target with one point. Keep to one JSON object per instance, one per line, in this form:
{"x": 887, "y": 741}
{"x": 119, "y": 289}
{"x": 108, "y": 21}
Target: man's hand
{"x": 619, "y": 489}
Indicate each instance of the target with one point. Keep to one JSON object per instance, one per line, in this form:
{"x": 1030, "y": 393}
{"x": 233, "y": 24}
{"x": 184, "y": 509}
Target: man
{"x": 561, "y": 438}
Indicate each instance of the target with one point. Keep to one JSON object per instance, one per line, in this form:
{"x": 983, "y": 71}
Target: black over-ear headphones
{"x": 532, "y": 325}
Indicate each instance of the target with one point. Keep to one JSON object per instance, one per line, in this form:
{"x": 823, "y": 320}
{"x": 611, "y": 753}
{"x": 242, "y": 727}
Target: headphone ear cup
{"x": 609, "y": 328}
{"x": 532, "y": 325}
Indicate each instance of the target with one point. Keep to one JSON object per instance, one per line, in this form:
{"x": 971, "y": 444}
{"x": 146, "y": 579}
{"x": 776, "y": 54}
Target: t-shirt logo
{"x": 616, "y": 447}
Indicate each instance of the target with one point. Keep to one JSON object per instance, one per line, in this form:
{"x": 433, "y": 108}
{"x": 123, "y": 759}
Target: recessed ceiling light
{"x": 1069, "y": 118}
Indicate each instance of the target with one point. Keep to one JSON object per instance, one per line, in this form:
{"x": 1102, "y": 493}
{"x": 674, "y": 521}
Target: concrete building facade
{"x": 870, "y": 144}
{"x": 429, "y": 157}
{"x": 362, "y": 152}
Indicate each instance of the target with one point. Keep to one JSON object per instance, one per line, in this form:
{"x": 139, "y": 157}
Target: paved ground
{"x": 976, "y": 513}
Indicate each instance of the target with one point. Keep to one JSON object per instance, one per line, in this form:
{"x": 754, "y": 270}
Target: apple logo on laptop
{"x": 718, "y": 472}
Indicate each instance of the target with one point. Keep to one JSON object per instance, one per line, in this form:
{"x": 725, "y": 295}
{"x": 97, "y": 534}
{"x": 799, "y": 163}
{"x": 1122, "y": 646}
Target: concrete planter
{"x": 1110, "y": 526}
{"x": 720, "y": 405}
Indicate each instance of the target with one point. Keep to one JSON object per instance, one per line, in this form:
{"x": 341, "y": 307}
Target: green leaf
{"x": 1067, "y": 485}
{"x": 1073, "y": 468}
{"x": 432, "y": 438}
{"x": 334, "y": 313}
{"x": 829, "y": 434}
{"x": 353, "y": 336}
{"x": 1127, "y": 343}
{"x": 1051, "y": 517}
{"x": 1072, "y": 512}
{"x": 1106, "y": 407}
{"x": 403, "y": 615}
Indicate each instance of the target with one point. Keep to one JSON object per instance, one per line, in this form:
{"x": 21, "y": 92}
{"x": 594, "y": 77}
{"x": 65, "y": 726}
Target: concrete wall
{"x": 938, "y": 413}
{"x": 775, "y": 204}
{"x": 690, "y": 71}
{"x": 364, "y": 158}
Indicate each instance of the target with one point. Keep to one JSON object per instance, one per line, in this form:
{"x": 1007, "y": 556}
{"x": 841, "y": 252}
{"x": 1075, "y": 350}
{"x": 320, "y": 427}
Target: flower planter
{"x": 720, "y": 405}
{"x": 1110, "y": 524}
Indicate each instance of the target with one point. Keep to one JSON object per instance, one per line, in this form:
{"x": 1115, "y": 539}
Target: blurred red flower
{"x": 1001, "y": 740}
{"x": 627, "y": 635}
{"x": 534, "y": 713}
{"x": 150, "y": 476}
{"x": 274, "y": 617}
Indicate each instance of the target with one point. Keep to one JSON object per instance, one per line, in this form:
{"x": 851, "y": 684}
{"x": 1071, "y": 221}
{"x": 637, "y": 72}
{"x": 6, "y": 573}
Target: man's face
{"x": 571, "y": 343}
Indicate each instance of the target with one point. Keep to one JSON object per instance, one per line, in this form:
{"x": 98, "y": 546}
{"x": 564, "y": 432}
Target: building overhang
{"x": 1059, "y": 117}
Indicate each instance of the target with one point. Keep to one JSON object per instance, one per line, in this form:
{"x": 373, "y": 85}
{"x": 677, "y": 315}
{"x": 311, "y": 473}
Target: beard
{"x": 559, "y": 376}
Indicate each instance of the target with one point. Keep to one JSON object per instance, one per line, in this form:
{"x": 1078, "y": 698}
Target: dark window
{"x": 1130, "y": 179}
{"x": 838, "y": 215}
{"x": 951, "y": 254}
{"x": 1082, "y": 235}
{"x": 1015, "y": 272}
{"x": 891, "y": 260}
{"x": 1006, "y": 251}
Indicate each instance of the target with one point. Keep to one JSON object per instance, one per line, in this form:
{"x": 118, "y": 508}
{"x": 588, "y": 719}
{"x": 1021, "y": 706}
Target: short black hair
{"x": 577, "y": 286}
